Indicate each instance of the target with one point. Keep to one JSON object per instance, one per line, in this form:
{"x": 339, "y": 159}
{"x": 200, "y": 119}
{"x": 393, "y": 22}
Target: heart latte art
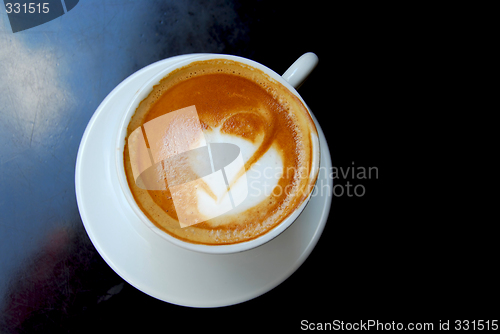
{"x": 239, "y": 105}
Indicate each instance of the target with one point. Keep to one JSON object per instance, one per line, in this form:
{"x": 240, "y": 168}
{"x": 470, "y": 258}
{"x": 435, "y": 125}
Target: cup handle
{"x": 300, "y": 69}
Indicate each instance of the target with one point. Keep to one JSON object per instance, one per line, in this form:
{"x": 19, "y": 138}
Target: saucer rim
{"x": 322, "y": 219}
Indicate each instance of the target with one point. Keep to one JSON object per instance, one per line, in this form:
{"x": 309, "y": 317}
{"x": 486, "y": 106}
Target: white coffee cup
{"x": 291, "y": 79}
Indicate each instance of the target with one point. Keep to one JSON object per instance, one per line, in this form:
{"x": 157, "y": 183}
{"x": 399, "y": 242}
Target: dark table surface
{"x": 372, "y": 260}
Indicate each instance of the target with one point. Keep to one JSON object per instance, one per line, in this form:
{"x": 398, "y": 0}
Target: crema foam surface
{"x": 240, "y": 105}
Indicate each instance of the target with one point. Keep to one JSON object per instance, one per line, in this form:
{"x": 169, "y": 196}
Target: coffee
{"x": 235, "y": 104}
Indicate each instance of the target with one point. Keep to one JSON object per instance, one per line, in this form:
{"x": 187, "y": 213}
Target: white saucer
{"x": 163, "y": 270}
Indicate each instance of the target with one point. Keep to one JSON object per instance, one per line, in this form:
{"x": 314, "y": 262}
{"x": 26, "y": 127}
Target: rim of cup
{"x": 141, "y": 94}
